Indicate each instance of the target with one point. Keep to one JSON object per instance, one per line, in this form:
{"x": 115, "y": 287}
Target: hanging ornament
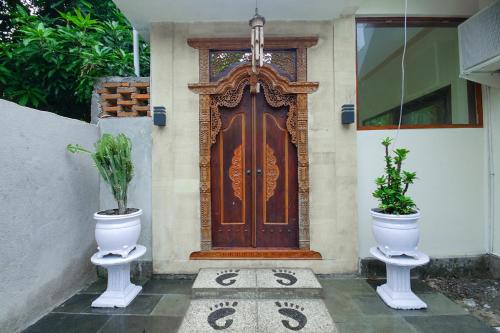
{"x": 257, "y": 40}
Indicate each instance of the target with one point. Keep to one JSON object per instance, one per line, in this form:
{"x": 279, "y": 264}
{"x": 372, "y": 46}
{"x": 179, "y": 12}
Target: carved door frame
{"x": 278, "y": 92}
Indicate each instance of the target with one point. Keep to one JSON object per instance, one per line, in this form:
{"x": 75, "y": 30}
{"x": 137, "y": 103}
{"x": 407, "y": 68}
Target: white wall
{"x": 495, "y": 125}
{"x": 451, "y": 190}
{"x": 452, "y": 166}
{"x": 47, "y": 198}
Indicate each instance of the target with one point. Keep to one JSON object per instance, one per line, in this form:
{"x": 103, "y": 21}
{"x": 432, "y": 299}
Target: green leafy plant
{"x": 112, "y": 158}
{"x": 393, "y": 186}
{"x": 52, "y": 53}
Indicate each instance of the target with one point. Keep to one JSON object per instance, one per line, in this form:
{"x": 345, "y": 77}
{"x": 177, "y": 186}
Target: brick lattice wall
{"x": 124, "y": 99}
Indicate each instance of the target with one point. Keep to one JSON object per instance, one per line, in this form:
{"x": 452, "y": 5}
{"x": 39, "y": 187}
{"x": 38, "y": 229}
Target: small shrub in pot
{"x": 117, "y": 230}
{"x": 395, "y": 220}
{"x": 113, "y": 160}
{"x": 393, "y": 186}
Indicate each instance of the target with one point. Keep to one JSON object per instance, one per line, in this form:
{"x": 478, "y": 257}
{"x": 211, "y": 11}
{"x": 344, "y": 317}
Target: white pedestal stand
{"x": 397, "y": 293}
{"x": 120, "y": 292}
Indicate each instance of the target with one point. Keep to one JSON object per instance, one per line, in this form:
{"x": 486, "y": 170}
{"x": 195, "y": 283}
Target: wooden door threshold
{"x": 255, "y": 254}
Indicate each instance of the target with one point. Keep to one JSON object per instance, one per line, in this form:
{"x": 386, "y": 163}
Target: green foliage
{"x": 224, "y": 60}
{"x": 392, "y": 187}
{"x": 52, "y": 61}
{"x": 113, "y": 160}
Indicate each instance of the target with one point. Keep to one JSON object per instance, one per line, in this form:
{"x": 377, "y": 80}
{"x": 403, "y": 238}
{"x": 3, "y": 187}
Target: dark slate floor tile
{"x": 376, "y": 325}
{"x": 348, "y": 287}
{"x": 141, "y": 305}
{"x": 372, "y": 305}
{"x": 342, "y": 308}
{"x": 172, "y": 305}
{"x": 417, "y": 286}
{"x": 437, "y": 305}
{"x": 68, "y": 323}
{"x": 141, "y": 324}
{"x": 76, "y": 304}
{"x": 449, "y": 324}
{"x": 168, "y": 286}
{"x": 98, "y": 287}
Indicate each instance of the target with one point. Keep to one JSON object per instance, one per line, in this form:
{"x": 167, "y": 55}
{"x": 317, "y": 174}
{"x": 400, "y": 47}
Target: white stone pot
{"x": 117, "y": 234}
{"x": 396, "y": 234}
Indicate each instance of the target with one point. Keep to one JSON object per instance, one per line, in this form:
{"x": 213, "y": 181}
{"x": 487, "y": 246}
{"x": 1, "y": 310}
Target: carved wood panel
{"x": 272, "y": 172}
{"x": 277, "y": 212}
{"x": 278, "y": 91}
{"x": 236, "y": 173}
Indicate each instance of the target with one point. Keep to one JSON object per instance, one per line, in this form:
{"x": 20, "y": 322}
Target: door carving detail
{"x": 236, "y": 173}
{"x": 278, "y": 92}
{"x": 272, "y": 172}
{"x": 229, "y": 99}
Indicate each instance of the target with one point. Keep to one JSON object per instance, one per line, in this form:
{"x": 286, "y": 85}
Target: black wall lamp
{"x": 159, "y": 116}
{"x": 347, "y": 114}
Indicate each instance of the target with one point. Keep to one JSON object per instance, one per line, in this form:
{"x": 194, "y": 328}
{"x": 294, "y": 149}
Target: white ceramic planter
{"x": 117, "y": 234}
{"x": 396, "y": 234}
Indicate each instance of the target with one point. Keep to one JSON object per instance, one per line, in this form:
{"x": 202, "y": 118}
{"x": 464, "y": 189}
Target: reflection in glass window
{"x": 434, "y": 92}
{"x": 223, "y": 61}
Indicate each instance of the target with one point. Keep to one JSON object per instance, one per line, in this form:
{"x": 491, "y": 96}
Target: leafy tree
{"x": 51, "y": 60}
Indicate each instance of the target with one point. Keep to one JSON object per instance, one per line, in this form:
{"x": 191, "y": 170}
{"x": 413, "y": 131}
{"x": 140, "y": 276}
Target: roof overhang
{"x": 142, "y": 13}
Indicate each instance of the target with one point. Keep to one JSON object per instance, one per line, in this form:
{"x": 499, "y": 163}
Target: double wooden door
{"x": 254, "y": 181}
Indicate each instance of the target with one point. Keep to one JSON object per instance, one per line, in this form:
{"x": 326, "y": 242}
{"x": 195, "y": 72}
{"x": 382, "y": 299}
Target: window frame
{"x": 416, "y": 22}
{"x": 249, "y": 50}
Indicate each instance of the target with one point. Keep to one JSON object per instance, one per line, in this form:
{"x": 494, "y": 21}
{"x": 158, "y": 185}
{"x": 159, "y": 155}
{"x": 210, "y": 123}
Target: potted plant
{"x": 117, "y": 230}
{"x": 395, "y": 220}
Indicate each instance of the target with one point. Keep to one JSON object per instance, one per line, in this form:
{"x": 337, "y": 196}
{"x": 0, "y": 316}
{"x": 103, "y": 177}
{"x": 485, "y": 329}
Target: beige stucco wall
{"x": 451, "y": 163}
{"x": 332, "y": 147}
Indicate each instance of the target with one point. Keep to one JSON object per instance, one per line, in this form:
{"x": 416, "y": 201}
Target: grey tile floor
{"x": 352, "y": 303}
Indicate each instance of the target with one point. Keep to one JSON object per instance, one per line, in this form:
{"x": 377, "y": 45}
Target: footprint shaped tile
{"x": 285, "y": 277}
{"x": 227, "y": 277}
{"x": 288, "y": 283}
{"x": 294, "y": 315}
{"x": 225, "y": 283}
{"x": 220, "y": 316}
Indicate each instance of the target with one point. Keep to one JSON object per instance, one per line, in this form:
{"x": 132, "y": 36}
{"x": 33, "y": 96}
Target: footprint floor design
{"x": 249, "y": 316}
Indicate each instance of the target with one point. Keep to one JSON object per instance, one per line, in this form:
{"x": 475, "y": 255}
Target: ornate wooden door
{"x": 265, "y": 202}
{"x": 231, "y": 185}
{"x": 254, "y": 177}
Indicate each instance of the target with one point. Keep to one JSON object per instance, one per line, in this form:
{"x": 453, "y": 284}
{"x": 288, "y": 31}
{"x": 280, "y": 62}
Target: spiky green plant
{"x": 112, "y": 157}
{"x": 392, "y": 187}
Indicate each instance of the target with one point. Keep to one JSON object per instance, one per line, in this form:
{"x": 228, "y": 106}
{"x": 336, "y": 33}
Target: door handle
{"x": 249, "y": 171}
{"x": 259, "y": 171}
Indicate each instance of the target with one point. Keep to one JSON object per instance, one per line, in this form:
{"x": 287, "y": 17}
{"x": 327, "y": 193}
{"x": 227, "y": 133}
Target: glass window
{"x": 435, "y": 95}
{"x": 223, "y": 61}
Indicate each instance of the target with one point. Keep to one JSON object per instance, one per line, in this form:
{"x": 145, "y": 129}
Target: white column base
{"x": 120, "y": 292}
{"x": 396, "y": 293}
{"x": 113, "y": 299}
{"x": 400, "y": 300}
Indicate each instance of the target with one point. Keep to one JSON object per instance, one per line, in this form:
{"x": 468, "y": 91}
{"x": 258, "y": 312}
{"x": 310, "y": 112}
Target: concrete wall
{"x": 138, "y": 129}
{"x": 47, "y": 196}
{"x": 332, "y": 147}
{"x": 494, "y": 106}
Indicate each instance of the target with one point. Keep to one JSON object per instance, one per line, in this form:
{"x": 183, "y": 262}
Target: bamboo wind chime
{"x": 257, "y": 42}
